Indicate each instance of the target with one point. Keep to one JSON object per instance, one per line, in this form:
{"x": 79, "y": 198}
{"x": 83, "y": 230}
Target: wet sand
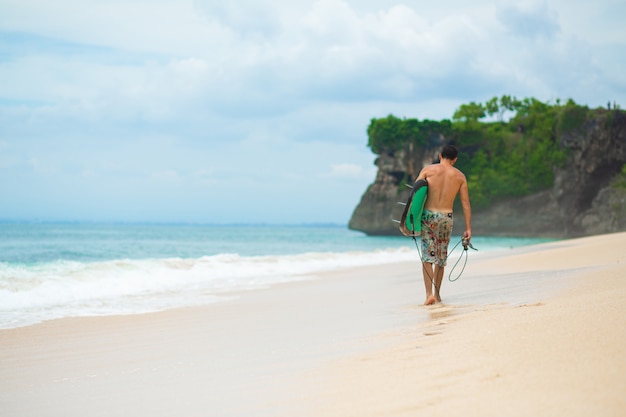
{"x": 533, "y": 331}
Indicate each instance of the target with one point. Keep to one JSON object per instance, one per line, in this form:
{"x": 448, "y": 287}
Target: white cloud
{"x": 270, "y": 92}
{"x": 529, "y": 20}
{"x": 244, "y": 17}
{"x": 348, "y": 171}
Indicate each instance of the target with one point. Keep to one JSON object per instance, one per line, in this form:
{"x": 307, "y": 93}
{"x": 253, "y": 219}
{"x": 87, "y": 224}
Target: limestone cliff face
{"x": 581, "y": 202}
{"x": 379, "y": 205}
{"x": 374, "y": 213}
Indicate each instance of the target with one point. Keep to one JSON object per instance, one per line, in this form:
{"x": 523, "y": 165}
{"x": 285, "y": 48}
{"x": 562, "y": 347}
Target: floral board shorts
{"x": 436, "y": 232}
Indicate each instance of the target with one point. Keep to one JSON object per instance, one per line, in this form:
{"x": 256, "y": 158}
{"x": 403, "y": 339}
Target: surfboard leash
{"x": 466, "y": 246}
{"x": 419, "y": 252}
{"x": 427, "y": 271}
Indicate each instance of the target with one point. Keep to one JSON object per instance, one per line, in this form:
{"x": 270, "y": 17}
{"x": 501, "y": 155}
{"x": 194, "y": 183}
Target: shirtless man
{"x": 444, "y": 183}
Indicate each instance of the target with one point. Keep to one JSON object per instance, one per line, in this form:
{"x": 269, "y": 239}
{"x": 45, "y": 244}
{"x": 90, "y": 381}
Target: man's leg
{"x": 438, "y": 281}
{"x": 429, "y": 280}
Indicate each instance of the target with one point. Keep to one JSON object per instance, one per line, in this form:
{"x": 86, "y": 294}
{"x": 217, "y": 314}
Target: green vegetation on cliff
{"x": 501, "y": 158}
{"x": 391, "y": 133}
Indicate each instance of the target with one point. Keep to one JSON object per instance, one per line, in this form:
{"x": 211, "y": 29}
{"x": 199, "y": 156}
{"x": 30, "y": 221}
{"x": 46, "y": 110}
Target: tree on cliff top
{"x": 392, "y": 133}
{"x": 501, "y": 159}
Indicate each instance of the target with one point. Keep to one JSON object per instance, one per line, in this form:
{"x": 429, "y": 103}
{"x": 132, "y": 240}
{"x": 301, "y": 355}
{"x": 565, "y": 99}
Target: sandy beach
{"x": 532, "y": 331}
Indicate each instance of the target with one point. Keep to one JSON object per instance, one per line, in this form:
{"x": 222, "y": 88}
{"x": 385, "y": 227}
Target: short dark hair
{"x": 449, "y": 152}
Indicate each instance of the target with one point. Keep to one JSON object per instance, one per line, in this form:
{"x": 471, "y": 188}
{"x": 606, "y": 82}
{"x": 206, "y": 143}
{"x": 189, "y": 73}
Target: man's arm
{"x": 467, "y": 209}
{"x": 423, "y": 174}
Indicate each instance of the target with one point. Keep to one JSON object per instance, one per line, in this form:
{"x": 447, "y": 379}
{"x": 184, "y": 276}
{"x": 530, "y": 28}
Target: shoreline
{"x": 183, "y": 277}
{"x": 350, "y": 342}
{"x": 559, "y": 356}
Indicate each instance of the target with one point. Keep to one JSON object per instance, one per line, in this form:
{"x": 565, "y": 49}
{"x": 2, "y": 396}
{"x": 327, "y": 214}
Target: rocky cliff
{"x": 583, "y": 201}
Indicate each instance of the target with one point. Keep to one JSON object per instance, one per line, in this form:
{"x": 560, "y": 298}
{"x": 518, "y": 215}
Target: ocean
{"x": 56, "y": 270}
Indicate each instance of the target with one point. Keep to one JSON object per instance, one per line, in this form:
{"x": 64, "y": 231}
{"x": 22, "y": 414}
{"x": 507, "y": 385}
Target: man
{"x": 444, "y": 183}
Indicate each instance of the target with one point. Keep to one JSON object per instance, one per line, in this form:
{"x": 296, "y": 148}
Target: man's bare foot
{"x": 430, "y": 300}
{"x": 438, "y": 297}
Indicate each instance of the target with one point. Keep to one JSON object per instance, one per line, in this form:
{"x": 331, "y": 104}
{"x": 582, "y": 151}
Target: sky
{"x": 247, "y": 111}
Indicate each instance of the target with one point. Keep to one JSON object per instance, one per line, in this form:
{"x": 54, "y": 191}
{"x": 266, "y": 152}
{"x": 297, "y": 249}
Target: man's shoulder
{"x": 459, "y": 173}
{"x": 428, "y": 170}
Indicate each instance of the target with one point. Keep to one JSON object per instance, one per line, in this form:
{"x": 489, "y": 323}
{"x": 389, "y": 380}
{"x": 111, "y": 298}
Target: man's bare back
{"x": 444, "y": 182}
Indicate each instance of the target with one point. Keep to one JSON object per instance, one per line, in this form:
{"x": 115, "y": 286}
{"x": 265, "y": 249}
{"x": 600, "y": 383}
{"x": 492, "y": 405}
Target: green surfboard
{"x": 411, "y": 221}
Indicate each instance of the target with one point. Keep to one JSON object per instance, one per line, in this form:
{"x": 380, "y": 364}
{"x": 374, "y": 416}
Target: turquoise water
{"x": 50, "y": 271}
{"x": 40, "y": 243}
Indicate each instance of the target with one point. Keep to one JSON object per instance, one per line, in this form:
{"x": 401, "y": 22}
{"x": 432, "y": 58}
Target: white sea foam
{"x": 31, "y": 294}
